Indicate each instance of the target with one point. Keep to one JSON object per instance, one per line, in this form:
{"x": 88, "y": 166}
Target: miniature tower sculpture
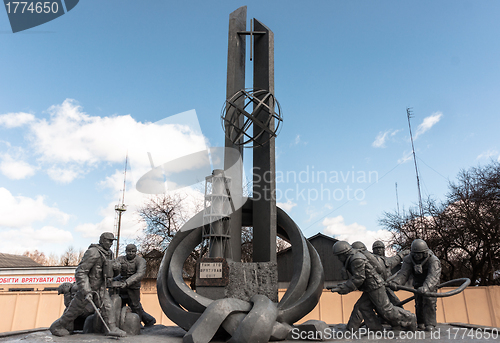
{"x": 216, "y": 217}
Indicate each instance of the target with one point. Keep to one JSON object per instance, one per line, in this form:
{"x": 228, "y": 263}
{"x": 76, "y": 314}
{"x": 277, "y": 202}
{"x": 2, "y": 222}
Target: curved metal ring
{"x": 183, "y": 306}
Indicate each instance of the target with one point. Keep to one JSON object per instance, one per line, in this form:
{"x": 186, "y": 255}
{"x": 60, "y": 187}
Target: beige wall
{"x": 476, "y": 305}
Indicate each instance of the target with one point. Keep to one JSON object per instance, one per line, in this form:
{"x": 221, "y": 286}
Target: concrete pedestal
{"x": 246, "y": 280}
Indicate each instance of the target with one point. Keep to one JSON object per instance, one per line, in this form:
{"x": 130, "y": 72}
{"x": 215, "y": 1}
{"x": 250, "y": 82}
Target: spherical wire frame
{"x": 229, "y": 127}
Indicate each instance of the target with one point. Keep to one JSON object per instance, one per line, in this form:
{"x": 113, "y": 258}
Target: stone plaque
{"x": 210, "y": 270}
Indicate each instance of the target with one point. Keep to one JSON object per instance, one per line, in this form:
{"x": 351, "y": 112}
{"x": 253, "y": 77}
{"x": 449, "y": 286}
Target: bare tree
{"x": 71, "y": 257}
{"x": 163, "y": 215}
{"x": 53, "y": 260}
{"x": 463, "y": 231}
{"x": 246, "y": 244}
{"x": 37, "y": 256}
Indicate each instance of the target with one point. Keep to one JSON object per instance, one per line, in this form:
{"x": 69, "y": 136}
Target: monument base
{"x": 245, "y": 280}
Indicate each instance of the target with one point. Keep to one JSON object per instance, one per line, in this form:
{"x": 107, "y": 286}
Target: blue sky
{"x": 75, "y": 90}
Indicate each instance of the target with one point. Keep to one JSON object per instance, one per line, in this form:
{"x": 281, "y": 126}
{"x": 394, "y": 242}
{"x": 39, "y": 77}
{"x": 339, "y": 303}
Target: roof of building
{"x": 323, "y": 245}
{"x": 155, "y": 253}
{"x": 14, "y": 261}
{"x": 310, "y": 239}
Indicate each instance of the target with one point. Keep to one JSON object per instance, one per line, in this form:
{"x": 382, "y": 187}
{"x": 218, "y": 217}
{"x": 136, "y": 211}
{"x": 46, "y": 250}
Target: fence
{"x": 476, "y": 305}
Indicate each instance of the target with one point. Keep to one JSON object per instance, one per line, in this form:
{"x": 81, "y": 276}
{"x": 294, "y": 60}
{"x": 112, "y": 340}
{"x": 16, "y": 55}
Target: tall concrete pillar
{"x": 235, "y": 82}
{"x": 264, "y": 161}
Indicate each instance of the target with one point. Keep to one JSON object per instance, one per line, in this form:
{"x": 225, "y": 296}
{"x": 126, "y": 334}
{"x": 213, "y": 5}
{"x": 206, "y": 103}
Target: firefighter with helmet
{"x": 425, "y": 268}
{"x": 92, "y": 275}
{"x": 365, "y": 278}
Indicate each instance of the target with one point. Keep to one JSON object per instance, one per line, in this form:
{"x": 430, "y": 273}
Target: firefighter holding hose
{"x": 425, "y": 268}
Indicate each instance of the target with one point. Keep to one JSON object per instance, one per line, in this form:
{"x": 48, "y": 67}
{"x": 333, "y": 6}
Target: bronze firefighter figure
{"x": 364, "y": 277}
{"x": 132, "y": 271}
{"x": 92, "y": 276}
{"x": 425, "y": 268}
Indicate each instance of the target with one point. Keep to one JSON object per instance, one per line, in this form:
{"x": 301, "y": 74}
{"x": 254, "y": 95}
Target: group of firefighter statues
{"x": 371, "y": 273}
{"x": 97, "y": 301}
{"x": 235, "y": 298}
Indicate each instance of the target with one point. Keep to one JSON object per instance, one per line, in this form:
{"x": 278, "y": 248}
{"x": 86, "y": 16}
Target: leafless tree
{"x": 37, "y": 256}
{"x": 71, "y": 257}
{"x": 163, "y": 215}
{"x": 463, "y": 231}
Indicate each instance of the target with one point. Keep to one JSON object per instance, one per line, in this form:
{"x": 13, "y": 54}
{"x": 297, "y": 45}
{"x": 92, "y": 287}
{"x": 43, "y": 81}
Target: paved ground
{"x": 172, "y": 334}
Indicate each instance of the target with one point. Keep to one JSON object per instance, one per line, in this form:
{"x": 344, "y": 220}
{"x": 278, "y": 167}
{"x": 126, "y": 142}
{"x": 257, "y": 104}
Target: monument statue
{"x": 69, "y": 290}
{"x": 379, "y": 267}
{"x": 365, "y": 278}
{"x": 425, "y": 268}
{"x": 92, "y": 276}
{"x": 356, "y": 318}
{"x": 389, "y": 262}
{"x": 132, "y": 271}
{"x": 247, "y": 308}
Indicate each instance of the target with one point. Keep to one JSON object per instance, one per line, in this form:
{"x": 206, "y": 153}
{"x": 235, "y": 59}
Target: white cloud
{"x": 486, "y": 155}
{"x": 296, "y": 140}
{"x": 70, "y": 143}
{"x": 428, "y": 123}
{"x": 287, "y": 206}
{"x": 11, "y": 120}
{"x": 21, "y": 211}
{"x": 379, "y": 141}
{"x": 73, "y": 142}
{"x": 64, "y": 175}
{"x": 130, "y": 220}
{"x": 382, "y": 137}
{"x": 131, "y": 225}
{"x": 406, "y": 157}
{"x": 17, "y": 241}
{"x": 312, "y": 213}
{"x": 90, "y": 230}
{"x": 15, "y": 169}
{"x": 337, "y": 227}
{"x": 52, "y": 234}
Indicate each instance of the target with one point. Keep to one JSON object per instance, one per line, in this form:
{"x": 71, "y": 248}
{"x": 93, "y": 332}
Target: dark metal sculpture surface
{"x": 185, "y": 307}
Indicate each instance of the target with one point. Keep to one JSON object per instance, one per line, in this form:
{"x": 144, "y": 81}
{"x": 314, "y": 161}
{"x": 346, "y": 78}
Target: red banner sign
{"x": 35, "y": 279}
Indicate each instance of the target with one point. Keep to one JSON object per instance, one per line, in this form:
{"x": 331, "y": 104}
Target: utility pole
{"x": 119, "y": 209}
{"x": 397, "y": 198}
{"x": 409, "y": 114}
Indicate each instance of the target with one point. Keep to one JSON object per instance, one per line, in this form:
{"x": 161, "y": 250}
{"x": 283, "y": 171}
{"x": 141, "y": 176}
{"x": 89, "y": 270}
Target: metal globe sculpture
{"x": 238, "y": 117}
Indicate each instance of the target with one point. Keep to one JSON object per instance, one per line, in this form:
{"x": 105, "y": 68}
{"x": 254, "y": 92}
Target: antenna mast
{"x": 397, "y": 198}
{"x": 119, "y": 209}
{"x": 409, "y": 115}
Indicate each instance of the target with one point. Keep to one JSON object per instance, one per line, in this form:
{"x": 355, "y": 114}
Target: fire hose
{"x": 464, "y": 283}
